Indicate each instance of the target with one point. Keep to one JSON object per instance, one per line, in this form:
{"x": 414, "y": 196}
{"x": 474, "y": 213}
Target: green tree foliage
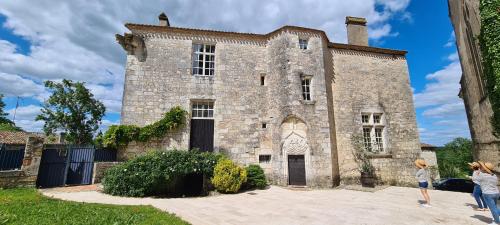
{"x": 157, "y": 172}
{"x": 73, "y": 109}
{"x": 228, "y": 177}
{"x": 453, "y": 158}
{"x": 490, "y": 49}
{"x": 5, "y": 123}
{"x": 121, "y": 135}
{"x": 255, "y": 177}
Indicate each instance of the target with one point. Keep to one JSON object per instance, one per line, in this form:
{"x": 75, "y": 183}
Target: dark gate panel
{"x": 296, "y": 170}
{"x": 202, "y": 135}
{"x": 11, "y": 157}
{"x": 81, "y": 163}
{"x": 52, "y": 168}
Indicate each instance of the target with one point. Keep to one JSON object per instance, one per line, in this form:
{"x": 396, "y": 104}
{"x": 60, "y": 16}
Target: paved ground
{"x": 276, "y": 205}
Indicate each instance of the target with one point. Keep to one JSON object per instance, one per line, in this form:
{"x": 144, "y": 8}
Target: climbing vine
{"x": 121, "y": 135}
{"x": 490, "y": 49}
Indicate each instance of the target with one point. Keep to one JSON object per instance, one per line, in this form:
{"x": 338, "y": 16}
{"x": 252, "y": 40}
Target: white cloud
{"x": 75, "y": 39}
{"x": 25, "y": 117}
{"x": 451, "y": 40}
{"x": 442, "y": 110}
{"x": 14, "y": 85}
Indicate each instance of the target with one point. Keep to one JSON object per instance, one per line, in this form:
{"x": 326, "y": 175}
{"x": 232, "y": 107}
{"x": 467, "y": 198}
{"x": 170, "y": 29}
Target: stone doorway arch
{"x": 295, "y": 147}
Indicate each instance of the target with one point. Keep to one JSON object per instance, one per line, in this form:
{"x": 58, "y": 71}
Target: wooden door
{"x": 296, "y": 170}
{"x": 202, "y": 135}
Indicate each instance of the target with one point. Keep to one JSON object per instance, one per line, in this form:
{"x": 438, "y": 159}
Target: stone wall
{"x": 100, "y": 169}
{"x": 379, "y": 83}
{"x": 27, "y": 176}
{"x": 464, "y": 15}
{"x": 164, "y": 80}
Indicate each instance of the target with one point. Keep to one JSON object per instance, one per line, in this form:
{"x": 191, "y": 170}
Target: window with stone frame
{"x": 306, "y": 88}
{"x": 203, "y": 60}
{"x": 373, "y": 132}
{"x": 303, "y": 44}
{"x": 202, "y": 109}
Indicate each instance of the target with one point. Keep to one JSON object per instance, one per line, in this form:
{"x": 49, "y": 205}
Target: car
{"x": 454, "y": 184}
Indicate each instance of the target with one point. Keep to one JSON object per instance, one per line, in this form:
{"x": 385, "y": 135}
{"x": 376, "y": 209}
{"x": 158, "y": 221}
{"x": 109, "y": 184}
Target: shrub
{"x": 157, "y": 172}
{"x": 228, "y": 176}
{"x": 255, "y": 177}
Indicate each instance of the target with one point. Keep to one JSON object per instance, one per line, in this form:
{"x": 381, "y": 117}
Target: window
{"x": 365, "y": 118}
{"x": 264, "y": 158}
{"x": 203, "y": 109}
{"x": 203, "y": 60}
{"x": 264, "y": 125}
{"x": 306, "y": 88}
{"x": 373, "y": 132}
{"x": 303, "y": 44}
{"x": 367, "y": 140}
{"x": 262, "y": 79}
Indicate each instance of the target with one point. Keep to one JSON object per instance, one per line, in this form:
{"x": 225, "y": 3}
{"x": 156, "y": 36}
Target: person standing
{"x": 488, "y": 182}
{"x": 423, "y": 184}
{"x": 477, "y": 193}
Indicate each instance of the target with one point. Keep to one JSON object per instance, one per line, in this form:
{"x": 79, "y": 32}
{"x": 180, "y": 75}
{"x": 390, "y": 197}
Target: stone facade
{"x": 464, "y": 15}
{"x": 99, "y": 170}
{"x": 259, "y": 106}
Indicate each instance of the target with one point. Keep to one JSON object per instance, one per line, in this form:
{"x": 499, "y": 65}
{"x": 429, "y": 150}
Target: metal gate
{"x": 69, "y": 164}
{"x": 296, "y": 170}
{"x": 202, "y": 135}
{"x": 52, "y": 172}
{"x": 11, "y": 157}
{"x": 80, "y": 165}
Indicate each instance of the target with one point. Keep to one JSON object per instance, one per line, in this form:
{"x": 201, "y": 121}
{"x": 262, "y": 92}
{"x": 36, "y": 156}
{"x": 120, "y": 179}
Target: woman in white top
{"x": 423, "y": 184}
{"x": 477, "y": 193}
{"x": 489, "y": 181}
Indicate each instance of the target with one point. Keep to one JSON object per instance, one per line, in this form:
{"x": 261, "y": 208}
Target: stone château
{"x": 290, "y": 100}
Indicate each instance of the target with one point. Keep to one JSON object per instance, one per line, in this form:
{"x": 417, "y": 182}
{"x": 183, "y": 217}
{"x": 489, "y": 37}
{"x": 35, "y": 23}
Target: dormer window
{"x": 303, "y": 44}
{"x": 203, "y": 60}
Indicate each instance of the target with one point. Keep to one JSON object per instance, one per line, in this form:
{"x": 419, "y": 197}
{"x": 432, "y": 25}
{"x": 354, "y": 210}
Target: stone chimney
{"x": 163, "y": 20}
{"x": 357, "y": 33}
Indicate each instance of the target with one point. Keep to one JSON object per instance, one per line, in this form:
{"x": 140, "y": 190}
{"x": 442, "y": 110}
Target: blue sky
{"x": 75, "y": 40}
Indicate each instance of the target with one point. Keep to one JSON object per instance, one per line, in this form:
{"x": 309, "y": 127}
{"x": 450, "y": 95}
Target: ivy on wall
{"x": 121, "y": 135}
{"x": 490, "y": 48}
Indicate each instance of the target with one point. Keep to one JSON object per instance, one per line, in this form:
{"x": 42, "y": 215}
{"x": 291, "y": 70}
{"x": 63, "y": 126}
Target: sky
{"x": 56, "y": 39}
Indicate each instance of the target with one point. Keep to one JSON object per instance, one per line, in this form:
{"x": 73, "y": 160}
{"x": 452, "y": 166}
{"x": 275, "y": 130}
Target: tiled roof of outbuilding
{"x": 15, "y": 137}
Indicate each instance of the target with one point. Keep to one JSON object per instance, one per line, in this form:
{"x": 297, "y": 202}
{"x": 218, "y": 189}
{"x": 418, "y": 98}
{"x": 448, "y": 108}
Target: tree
{"x": 71, "y": 109}
{"x": 5, "y": 123}
{"x": 453, "y": 158}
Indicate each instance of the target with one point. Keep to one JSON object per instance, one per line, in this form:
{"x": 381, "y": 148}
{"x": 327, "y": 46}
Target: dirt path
{"x": 276, "y": 205}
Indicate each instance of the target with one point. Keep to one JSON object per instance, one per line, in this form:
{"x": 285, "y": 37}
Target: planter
{"x": 367, "y": 180}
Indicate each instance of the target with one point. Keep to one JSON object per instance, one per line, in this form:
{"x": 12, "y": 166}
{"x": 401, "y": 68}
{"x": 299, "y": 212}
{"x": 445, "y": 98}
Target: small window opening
{"x": 303, "y": 44}
{"x": 262, "y": 80}
{"x": 264, "y": 158}
{"x": 264, "y": 125}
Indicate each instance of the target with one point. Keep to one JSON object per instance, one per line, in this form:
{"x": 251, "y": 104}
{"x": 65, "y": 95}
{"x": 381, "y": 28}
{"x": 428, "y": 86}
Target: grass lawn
{"x": 27, "y": 206}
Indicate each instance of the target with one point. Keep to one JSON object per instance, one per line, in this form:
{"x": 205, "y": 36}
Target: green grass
{"x": 27, "y": 206}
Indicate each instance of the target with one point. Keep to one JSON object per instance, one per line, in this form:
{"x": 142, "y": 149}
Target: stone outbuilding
{"x": 290, "y": 100}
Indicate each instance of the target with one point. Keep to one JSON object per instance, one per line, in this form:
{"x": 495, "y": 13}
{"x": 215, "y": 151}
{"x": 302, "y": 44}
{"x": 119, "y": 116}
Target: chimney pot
{"x": 357, "y": 33}
{"x": 163, "y": 20}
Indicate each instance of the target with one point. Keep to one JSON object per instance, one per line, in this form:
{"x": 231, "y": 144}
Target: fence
{"x": 11, "y": 157}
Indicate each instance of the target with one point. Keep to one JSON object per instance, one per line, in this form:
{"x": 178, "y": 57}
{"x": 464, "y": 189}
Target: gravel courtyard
{"x": 277, "y": 205}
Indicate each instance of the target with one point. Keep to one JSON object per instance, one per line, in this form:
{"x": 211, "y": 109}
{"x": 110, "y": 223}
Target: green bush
{"x": 157, "y": 172}
{"x": 255, "y": 177}
{"x": 121, "y": 135}
{"x": 228, "y": 177}
{"x": 453, "y": 157}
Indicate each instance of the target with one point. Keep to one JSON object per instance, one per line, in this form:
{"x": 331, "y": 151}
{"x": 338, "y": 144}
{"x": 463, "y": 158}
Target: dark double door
{"x": 296, "y": 170}
{"x": 202, "y": 135}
